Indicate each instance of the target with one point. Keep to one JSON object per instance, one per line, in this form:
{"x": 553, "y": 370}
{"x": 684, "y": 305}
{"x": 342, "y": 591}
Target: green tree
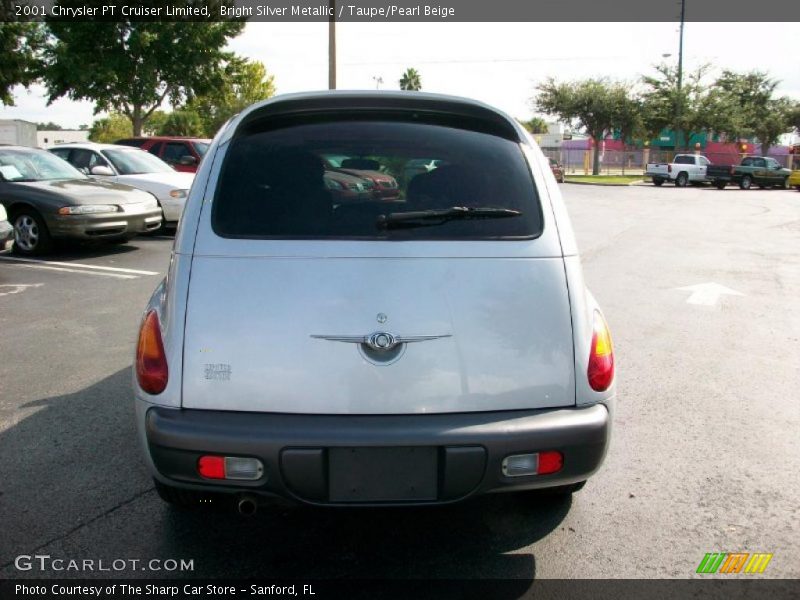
{"x": 534, "y": 125}
{"x": 110, "y": 129}
{"x": 20, "y": 47}
{"x": 49, "y": 126}
{"x": 596, "y": 105}
{"x": 133, "y": 67}
{"x": 184, "y": 121}
{"x": 411, "y": 81}
{"x": 155, "y": 124}
{"x": 743, "y": 105}
{"x": 245, "y": 83}
{"x": 665, "y": 107}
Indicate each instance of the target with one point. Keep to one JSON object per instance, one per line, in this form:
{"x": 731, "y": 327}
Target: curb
{"x": 642, "y": 182}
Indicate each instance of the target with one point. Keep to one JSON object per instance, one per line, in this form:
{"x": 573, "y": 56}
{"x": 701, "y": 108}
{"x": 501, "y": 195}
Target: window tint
{"x": 174, "y": 151}
{"x": 747, "y": 162}
{"x": 61, "y": 153}
{"x": 684, "y": 160}
{"x": 85, "y": 159}
{"x": 772, "y": 163}
{"x": 156, "y": 148}
{"x": 286, "y": 183}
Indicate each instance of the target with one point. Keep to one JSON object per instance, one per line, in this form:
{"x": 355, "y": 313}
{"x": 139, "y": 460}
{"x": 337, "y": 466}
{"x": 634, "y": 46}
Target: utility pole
{"x": 332, "y": 46}
{"x": 679, "y": 107}
{"x": 378, "y": 81}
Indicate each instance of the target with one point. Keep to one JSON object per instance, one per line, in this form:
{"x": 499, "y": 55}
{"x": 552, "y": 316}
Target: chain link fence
{"x": 578, "y": 161}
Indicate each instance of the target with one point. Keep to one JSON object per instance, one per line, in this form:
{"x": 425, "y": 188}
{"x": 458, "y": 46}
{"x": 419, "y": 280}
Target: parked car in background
{"x": 133, "y": 167}
{"x": 47, "y": 199}
{"x": 384, "y": 186}
{"x": 683, "y": 170}
{"x": 181, "y": 153}
{"x": 348, "y": 188}
{"x": 6, "y": 232}
{"x": 557, "y": 169}
{"x": 762, "y": 171}
{"x": 372, "y": 353}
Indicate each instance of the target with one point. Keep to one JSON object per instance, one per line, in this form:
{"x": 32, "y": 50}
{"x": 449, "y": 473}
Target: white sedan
{"x": 132, "y": 167}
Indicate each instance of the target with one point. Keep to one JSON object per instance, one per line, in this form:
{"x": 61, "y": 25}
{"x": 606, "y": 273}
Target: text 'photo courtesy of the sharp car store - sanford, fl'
{"x": 377, "y": 299}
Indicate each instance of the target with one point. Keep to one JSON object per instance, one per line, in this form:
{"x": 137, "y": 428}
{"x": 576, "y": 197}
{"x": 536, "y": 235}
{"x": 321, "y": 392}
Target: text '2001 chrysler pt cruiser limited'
{"x": 362, "y": 353}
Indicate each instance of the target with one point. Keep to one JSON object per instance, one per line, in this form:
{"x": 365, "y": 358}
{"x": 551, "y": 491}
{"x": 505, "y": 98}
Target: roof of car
{"x": 93, "y": 146}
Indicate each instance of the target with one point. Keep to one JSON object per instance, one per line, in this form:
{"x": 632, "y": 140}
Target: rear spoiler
{"x": 430, "y": 108}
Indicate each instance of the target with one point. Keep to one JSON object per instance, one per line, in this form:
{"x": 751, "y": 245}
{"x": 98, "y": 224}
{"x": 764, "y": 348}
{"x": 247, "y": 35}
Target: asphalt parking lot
{"x": 700, "y": 288}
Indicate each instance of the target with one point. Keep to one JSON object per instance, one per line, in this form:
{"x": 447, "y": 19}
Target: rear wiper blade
{"x": 422, "y": 218}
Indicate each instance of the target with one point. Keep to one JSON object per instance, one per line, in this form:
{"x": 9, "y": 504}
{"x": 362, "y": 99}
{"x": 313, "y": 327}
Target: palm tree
{"x": 411, "y": 81}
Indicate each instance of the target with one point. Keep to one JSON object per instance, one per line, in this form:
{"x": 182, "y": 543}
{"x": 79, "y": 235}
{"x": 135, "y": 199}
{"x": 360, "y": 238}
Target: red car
{"x": 181, "y": 153}
{"x": 383, "y": 186}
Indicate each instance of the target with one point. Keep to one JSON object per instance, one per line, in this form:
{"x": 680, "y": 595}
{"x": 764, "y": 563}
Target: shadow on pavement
{"x": 78, "y": 486}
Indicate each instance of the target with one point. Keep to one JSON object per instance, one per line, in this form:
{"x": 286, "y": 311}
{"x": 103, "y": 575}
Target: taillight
{"x": 601, "y": 356}
{"x": 151, "y": 362}
{"x": 669, "y": 168}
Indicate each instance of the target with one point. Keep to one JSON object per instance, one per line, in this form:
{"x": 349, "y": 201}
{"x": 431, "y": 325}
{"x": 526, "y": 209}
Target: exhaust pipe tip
{"x": 247, "y": 506}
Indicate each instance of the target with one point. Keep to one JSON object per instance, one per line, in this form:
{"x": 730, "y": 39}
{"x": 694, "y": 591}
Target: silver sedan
{"x": 47, "y": 199}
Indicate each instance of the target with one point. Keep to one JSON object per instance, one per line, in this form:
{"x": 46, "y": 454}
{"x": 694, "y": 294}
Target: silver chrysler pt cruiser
{"x": 318, "y": 341}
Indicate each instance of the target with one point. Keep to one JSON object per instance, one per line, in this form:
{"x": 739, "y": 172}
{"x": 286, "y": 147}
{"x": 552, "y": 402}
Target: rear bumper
{"x": 468, "y": 448}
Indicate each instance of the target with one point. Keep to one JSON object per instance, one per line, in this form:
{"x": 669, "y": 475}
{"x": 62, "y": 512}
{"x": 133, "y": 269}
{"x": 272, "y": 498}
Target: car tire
{"x": 785, "y": 185}
{"x": 746, "y": 183}
{"x": 31, "y": 236}
{"x": 720, "y": 185}
{"x": 658, "y": 182}
{"x": 681, "y": 180}
{"x": 190, "y": 499}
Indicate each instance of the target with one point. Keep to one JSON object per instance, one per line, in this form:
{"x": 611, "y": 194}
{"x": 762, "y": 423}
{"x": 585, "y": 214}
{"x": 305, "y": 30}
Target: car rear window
{"x": 684, "y": 160}
{"x": 385, "y": 179}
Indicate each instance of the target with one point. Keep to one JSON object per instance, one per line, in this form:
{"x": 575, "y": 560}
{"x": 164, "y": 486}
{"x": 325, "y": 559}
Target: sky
{"x": 498, "y": 63}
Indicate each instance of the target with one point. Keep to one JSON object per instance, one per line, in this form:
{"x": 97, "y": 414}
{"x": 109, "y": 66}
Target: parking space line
{"x": 79, "y": 265}
{"x": 102, "y": 274}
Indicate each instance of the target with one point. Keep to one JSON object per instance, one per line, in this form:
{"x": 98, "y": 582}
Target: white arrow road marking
{"x": 82, "y": 272}
{"x": 74, "y": 267}
{"x": 7, "y": 289}
{"x": 80, "y": 265}
{"x": 707, "y": 294}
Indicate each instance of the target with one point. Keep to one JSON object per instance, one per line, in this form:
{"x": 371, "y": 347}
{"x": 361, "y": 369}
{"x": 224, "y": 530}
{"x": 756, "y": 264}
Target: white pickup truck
{"x": 684, "y": 169}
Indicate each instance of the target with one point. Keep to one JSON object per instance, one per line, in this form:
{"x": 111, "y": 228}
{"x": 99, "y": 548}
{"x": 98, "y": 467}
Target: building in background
{"x": 51, "y": 137}
{"x": 17, "y": 132}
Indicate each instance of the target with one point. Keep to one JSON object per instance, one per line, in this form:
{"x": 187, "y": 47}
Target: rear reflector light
{"x": 537, "y": 463}
{"x": 239, "y": 468}
{"x": 151, "y": 362}
{"x": 550, "y": 462}
{"x": 601, "y": 356}
{"x": 211, "y": 467}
